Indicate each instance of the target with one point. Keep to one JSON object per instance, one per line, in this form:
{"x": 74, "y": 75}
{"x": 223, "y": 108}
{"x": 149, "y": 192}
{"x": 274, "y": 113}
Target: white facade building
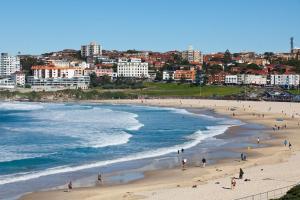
{"x": 285, "y": 79}
{"x": 18, "y": 78}
{"x": 9, "y": 64}
{"x": 7, "y": 83}
{"x": 132, "y": 68}
{"x": 91, "y": 49}
{"x": 231, "y": 79}
{"x": 167, "y": 75}
{"x": 252, "y": 79}
{"x": 53, "y": 78}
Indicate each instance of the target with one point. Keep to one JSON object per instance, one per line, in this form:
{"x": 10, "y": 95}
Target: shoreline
{"x": 156, "y": 180}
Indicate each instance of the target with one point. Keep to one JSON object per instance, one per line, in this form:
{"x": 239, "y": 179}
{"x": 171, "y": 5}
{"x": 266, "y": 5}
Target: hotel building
{"x": 132, "y": 68}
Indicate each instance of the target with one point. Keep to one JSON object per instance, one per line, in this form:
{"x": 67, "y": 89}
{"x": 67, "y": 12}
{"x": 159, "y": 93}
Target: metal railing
{"x": 272, "y": 194}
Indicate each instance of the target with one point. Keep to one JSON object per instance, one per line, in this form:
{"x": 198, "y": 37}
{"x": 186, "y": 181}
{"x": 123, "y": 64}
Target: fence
{"x": 272, "y": 194}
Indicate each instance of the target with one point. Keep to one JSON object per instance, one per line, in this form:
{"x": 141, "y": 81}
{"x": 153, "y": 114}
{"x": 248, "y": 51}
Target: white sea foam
{"x": 20, "y": 106}
{"x": 195, "y": 139}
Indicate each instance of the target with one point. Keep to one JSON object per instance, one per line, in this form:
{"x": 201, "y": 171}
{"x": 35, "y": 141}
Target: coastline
{"x": 164, "y": 181}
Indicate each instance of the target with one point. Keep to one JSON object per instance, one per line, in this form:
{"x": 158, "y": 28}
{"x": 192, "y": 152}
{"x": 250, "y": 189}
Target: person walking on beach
{"x": 183, "y": 163}
{"x": 242, "y": 156}
{"x": 233, "y": 183}
{"x": 285, "y": 143}
{"x": 99, "y": 178}
{"x": 203, "y": 162}
{"x": 241, "y": 174}
{"x": 70, "y": 186}
{"x": 257, "y": 140}
{"x": 290, "y": 146}
{"x": 182, "y": 150}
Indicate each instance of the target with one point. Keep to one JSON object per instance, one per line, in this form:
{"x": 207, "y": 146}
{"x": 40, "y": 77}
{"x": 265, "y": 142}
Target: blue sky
{"x": 37, "y": 26}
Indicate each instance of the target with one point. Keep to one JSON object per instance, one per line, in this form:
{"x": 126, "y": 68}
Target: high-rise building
{"x": 192, "y": 55}
{"x": 91, "y": 49}
{"x": 9, "y": 64}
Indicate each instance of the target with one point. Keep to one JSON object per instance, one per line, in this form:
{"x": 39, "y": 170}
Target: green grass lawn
{"x": 294, "y": 91}
{"x": 174, "y": 89}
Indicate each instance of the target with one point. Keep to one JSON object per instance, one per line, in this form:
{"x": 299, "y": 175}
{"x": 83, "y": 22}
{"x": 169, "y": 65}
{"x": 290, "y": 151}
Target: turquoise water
{"x": 41, "y": 140}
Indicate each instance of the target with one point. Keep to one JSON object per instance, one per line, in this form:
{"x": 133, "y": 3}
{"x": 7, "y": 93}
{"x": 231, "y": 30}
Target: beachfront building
{"x": 231, "y": 79}
{"x": 192, "y": 56}
{"x": 187, "y": 75}
{"x": 168, "y": 75}
{"x": 91, "y": 49}
{"x": 132, "y": 68}
{"x": 49, "y": 77}
{"x": 285, "y": 79}
{"x": 9, "y": 64}
{"x": 252, "y": 79}
{"x": 7, "y": 83}
{"x": 218, "y": 78}
{"x": 18, "y": 78}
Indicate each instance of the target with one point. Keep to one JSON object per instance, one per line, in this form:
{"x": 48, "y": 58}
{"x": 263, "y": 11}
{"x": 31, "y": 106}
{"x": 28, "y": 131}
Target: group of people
{"x": 276, "y": 127}
{"x": 233, "y": 182}
{"x": 70, "y": 184}
{"x": 243, "y": 157}
{"x": 286, "y": 143}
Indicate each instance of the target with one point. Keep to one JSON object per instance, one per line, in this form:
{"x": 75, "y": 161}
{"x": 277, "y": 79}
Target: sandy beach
{"x": 270, "y": 167}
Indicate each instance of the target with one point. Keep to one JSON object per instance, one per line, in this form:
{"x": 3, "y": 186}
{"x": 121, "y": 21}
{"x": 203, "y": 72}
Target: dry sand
{"x": 273, "y": 167}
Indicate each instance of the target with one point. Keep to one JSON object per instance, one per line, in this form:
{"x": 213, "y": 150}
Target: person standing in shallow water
{"x": 203, "y": 162}
{"x": 258, "y": 140}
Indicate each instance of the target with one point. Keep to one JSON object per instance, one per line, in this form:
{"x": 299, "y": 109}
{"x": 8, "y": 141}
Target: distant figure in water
{"x": 257, "y": 140}
{"x": 285, "y": 143}
{"x": 178, "y": 152}
{"x": 70, "y": 186}
{"x": 184, "y": 161}
{"x": 100, "y": 177}
{"x": 290, "y": 146}
{"x": 203, "y": 162}
{"x": 241, "y": 174}
{"x": 182, "y": 150}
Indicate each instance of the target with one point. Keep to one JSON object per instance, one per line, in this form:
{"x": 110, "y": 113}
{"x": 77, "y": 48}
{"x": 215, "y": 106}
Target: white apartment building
{"x": 91, "y": 49}
{"x": 9, "y": 64}
{"x": 285, "y": 79}
{"x": 231, "y": 79}
{"x": 18, "y": 78}
{"x": 132, "y": 68}
{"x": 252, "y": 79}
{"x": 167, "y": 75}
{"x": 192, "y": 55}
{"x": 45, "y": 71}
{"x": 51, "y": 77}
{"x": 7, "y": 83}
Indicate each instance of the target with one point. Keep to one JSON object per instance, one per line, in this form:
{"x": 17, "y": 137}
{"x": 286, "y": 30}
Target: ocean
{"x": 43, "y": 145}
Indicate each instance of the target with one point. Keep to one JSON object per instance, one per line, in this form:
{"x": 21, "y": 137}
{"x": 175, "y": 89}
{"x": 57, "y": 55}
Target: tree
{"x": 227, "y": 57}
{"x": 28, "y": 62}
{"x": 215, "y": 69}
{"x": 253, "y": 66}
{"x": 93, "y": 80}
{"x": 159, "y": 75}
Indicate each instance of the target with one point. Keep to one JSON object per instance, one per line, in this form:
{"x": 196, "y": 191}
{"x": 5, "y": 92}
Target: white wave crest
{"x": 20, "y": 106}
{"x": 196, "y": 138}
